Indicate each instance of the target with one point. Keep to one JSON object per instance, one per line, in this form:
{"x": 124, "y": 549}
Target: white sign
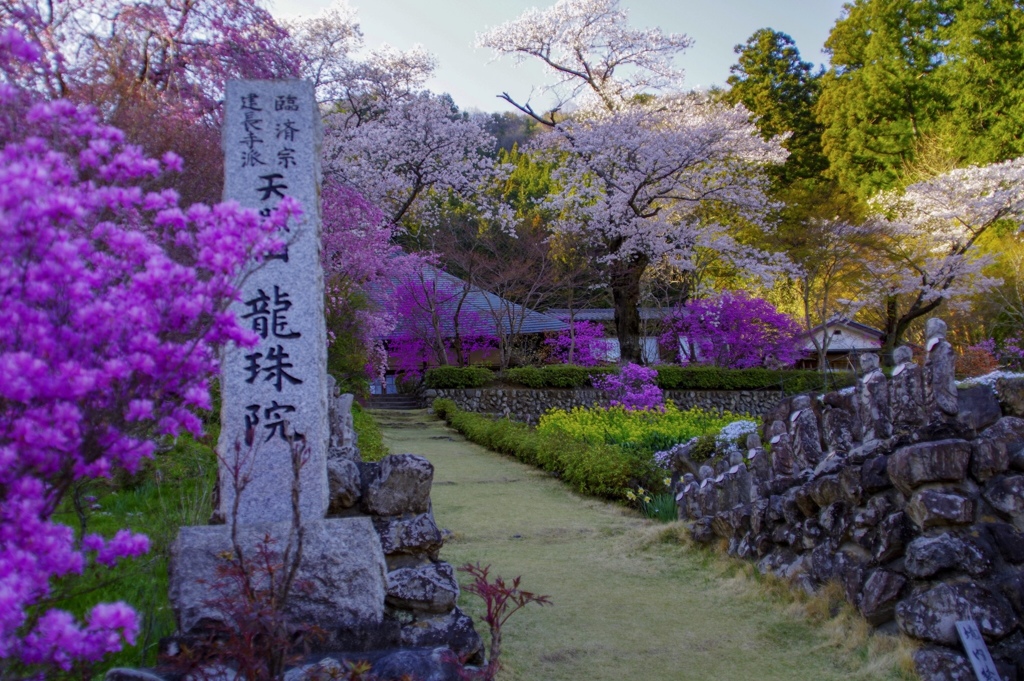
{"x": 977, "y": 651}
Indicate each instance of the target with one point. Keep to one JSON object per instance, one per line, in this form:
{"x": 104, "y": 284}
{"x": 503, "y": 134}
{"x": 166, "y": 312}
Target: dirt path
{"x": 630, "y": 602}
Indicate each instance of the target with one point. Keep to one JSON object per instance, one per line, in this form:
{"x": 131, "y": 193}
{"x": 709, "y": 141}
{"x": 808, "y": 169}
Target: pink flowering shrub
{"x": 633, "y": 387}
{"x": 582, "y": 345}
{"x": 114, "y": 303}
{"x": 734, "y": 331}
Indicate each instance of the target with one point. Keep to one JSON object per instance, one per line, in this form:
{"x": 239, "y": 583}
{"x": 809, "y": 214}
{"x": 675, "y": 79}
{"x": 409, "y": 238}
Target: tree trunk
{"x": 896, "y": 325}
{"x": 625, "y": 285}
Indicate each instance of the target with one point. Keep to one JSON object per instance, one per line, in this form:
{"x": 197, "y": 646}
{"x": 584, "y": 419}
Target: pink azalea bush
{"x": 114, "y": 302}
{"x": 734, "y": 331}
{"x": 633, "y": 388}
{"x": 582, "y": 344}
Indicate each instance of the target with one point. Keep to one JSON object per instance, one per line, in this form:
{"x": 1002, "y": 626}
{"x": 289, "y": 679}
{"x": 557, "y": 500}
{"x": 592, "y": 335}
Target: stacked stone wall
{"x": 421, "y": 592}
{"x": 527, "y": 404}
{"x": 907, "y": 491}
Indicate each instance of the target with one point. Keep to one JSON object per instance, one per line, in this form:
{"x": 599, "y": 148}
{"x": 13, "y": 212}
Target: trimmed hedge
{"x": 555, "y": 376}
{"x": 789, "y": 381}
{"x": 457, "y": 377}
{"x": 604, "y": 470}
{"x": 670, "y": 377}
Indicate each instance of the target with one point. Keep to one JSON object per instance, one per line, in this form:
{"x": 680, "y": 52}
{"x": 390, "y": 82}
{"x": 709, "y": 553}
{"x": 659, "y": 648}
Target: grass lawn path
{"x": 630, "y": 602}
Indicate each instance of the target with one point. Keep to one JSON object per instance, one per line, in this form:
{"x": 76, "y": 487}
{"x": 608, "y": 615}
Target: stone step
{"x": 394, "y": 402}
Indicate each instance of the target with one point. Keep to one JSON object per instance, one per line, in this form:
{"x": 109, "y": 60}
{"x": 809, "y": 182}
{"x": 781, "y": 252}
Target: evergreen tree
{"x": 881, "y": 96}
{"x": 776, "y": 85}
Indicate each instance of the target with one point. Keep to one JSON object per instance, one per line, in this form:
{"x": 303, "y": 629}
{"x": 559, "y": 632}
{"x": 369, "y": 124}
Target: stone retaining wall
{"x": 527, "y": 404}
{"x": 906, "y": 491}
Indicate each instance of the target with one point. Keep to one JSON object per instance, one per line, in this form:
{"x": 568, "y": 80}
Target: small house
{"x": 846, "y": 340}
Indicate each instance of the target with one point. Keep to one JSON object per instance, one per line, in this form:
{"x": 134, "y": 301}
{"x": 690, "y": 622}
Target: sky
{"x": 447, "y": 29}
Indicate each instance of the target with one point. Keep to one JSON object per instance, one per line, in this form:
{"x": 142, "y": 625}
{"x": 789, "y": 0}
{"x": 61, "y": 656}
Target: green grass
{"x": 172, "y": 490}
{"x": 370, "y": 440}
{"x": 631, "y": 598}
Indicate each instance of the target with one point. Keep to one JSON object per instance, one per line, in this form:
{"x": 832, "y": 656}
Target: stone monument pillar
{"x": 906, "y": 392}
{"x": 276, "y": 391}
{"x": 275, "y": 397}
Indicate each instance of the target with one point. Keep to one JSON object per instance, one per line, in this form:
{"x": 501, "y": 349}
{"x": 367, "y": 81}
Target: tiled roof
{"x": 606, "y": 314}
{"x": 481, "y": 310}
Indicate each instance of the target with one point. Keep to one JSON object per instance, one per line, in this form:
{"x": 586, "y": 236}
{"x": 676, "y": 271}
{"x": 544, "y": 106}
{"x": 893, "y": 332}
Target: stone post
{"x": 873, "y": 400}
{"x": 906, "y": 392}
{"x": 275, "y": 395}
{"x": 939, "y": 374}
{"x": 277, "y": 389}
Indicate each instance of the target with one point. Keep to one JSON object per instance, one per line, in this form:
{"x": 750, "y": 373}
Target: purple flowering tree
{"x": 633, "y": 387}
{"x": 735, "y": 331}
{"x": 115, "y": 305}
{"x": 582, "y": 344}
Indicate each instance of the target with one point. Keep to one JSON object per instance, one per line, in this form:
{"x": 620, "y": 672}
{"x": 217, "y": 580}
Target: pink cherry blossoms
{"x": 114, "y": 301}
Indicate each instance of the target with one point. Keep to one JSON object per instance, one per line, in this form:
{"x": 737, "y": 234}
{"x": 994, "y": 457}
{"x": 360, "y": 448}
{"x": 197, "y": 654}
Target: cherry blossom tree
{"x": 734, "y": 331}
{"x": 360, "y": 88}
{"x": 358, "y": 256}
{"x": 418, "y": 148}
{"x": 928, "y": 238}
{"x": 139, "y": 60}
{"x": 644, "y": 177}
{"x": 115, "y": 303}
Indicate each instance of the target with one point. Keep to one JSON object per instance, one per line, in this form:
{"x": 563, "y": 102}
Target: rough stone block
{"x": 414, "y": 535}
{"x": 422, "y": 664}
{"x": 402, "y": 486}
{"x": 978, "y": 407}
{"x": 926, "y": 556}
{"x": 879, "y": 596}
{"x": 932, "y": 615}
{"x": 453, "y": 629}
{"x": 826, "y": 490}
{"x": 428, "y": 588}
{"x": 943, "y": 461}
{"x": 1006, "y": 494}
{"x": 934, "y": 663}
{"x": 342, "y": 573}
{"x": 343, "y": 481}
{"x": 874, "y": 474}
{"x": 892, "y": 533}
{"x": 1011, "y": 395}
{"x": 988, "y": 458}
{"x": 936, "y": 507}
{"x": 1008, "y": 433}
{"x": 1007, "y": 539}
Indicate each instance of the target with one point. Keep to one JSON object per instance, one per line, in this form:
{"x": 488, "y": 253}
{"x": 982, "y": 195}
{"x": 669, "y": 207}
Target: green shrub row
{"x": 789, "y": 381}
{"x": 670, "y": 377}
{"x": 604, "y": 470}
{"x": 555, "y": 376}
{"x": 447, "y": 378}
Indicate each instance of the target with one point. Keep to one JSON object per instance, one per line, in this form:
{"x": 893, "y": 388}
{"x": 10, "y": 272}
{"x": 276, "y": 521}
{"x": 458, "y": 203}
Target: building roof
{"x": 606, "y": 314}
{"x": 857, "y": 337}
{"x": 480, "y": 311}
